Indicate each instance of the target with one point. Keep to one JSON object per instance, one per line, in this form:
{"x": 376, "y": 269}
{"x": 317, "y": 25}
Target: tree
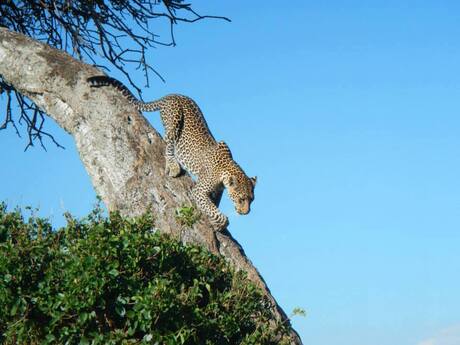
{"x": 121, "y": 152}
{"x": 87, "y": 29}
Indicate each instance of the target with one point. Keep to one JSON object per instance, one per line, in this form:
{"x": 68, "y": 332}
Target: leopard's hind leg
{"x": 173, "y": 167}
{"x": 173, "y": 121}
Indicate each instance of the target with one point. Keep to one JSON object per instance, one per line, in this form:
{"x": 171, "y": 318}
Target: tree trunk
{"x": 121, "y": 152}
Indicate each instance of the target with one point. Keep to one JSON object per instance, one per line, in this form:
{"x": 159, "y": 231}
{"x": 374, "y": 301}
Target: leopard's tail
{"x": 99, "y": 81}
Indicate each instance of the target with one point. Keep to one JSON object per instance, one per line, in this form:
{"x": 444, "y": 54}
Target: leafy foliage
{"x": 116, "y": 281}
{"x": 187, "y": 216}
{"x": 297, "y": 311}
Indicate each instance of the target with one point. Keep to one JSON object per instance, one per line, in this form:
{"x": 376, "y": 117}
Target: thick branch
{"x": 121, "y": 152}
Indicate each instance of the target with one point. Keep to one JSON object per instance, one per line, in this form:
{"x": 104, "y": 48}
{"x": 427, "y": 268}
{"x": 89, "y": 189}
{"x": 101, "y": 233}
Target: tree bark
{"x": 121, "y": 152}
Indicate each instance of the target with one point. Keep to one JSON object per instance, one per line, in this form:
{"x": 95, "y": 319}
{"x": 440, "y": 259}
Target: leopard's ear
{"x": 254, "y": 180}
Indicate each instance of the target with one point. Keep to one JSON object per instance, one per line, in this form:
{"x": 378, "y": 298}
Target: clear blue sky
{"x": 349, "y": 116}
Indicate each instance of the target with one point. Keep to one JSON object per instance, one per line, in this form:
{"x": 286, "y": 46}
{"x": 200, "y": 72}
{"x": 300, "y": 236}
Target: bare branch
{"x": 109, "y": 34}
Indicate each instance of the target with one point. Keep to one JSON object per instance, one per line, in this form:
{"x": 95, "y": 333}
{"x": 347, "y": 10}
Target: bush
{"x": 116, "y": 281}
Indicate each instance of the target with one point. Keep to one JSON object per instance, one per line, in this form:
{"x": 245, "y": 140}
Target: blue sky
{"x": 349, "y": 116}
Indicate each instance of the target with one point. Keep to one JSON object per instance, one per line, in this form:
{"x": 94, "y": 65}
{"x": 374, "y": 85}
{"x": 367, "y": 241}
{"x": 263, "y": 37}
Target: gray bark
{"x": 122, "y": 153}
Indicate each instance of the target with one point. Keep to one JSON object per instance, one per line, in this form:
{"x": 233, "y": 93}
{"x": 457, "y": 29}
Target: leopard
{"x": 190, "y": 146}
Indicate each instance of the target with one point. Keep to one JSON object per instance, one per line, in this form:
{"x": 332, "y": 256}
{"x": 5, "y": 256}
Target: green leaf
{"x": 49, "y": 338}
{"x": 113, "y": 272}
{"x": 148, "y": 337}
{"x": 120, "y": 310}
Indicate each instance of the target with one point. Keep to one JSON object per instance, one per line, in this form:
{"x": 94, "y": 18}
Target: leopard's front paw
{"x": 220, "y": 222}
{"x": 173, "y": 168}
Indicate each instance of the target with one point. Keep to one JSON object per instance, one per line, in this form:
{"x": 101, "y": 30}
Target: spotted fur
{"x": 190, "y": 145}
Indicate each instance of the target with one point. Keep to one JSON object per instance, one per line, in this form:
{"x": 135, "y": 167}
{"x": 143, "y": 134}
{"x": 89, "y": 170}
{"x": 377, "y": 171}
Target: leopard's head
{"x": 240, "y": 188}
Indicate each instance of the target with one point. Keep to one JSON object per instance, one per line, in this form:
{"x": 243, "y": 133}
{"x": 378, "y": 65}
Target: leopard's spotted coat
{"x": 190, "y": 145}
